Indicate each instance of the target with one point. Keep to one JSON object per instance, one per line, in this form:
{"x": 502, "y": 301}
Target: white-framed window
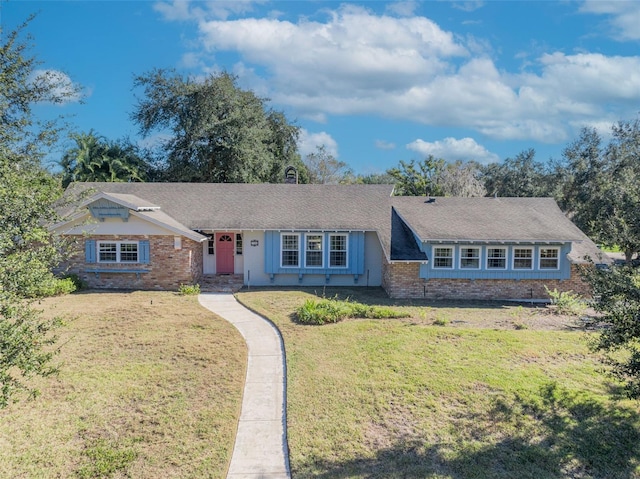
{"x": 238, "y": 243}
{"x": 549, "y": 258}
{"x": 338, "y": 250}
{"x": 290, "y": 250}
{"x": 522, "y": 258}
{"x": 314, "y": 250}
{"x": 117, "y": 252}
{"x": 470, "y": 257}
{"x": 496, "y": 258}
{"x": 211, "y": 247}
{"x": 443, "y": 257}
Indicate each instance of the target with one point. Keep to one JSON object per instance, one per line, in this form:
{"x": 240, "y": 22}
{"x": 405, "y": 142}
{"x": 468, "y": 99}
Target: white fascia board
{"x": 74, "y": 217}
{"x": 186, "y": 232}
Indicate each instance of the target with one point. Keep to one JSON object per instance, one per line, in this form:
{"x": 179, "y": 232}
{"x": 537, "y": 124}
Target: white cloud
{"x": 183, "y": 10}
{"x": 356, "y": 62}
{"x": 354, "y": 53}
{"x": 468, "y": 6}
{"x": 309, "y": 142}
{"x": 384, "y": 145}
{"x": 402, "y": 8}
{"x": 59, "y": 86}
{"x": 624, "y": 17}
{"x": 450, "y": 149}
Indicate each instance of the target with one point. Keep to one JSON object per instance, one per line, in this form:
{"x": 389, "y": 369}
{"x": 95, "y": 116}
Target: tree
{"x": 617, "y": 222}
{"x": 374, "y": 179}
{"x": 600, "y": 186}
{"x": 418, "y": 180}
{"x": 218, "y": 131}
{"x": 462, "y": 179}
{"x": 521, "y": 176}
{"x": 94, "y": 158}
{"x": 581, "y": 177}
{"x": 27, "y": 191}
{"x": 617, "y": 293}
{"x": 323, "y": 168}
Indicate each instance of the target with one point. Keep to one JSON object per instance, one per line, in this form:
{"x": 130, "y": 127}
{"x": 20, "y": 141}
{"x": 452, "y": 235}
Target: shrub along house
{"x": 161, "y": 235}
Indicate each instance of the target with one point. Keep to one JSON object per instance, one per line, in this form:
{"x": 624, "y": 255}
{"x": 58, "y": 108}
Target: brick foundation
{"x": 168, "y": 268}
{"x": 401, "y": 280}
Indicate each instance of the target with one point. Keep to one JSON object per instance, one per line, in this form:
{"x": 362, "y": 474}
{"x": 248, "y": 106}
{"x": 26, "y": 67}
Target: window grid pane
{"x": 522, "y": 258}
{"x": 238, "y": 243}
{"x": 338, "y": 251}
{"x": 314, "y": 251}
{"x": 549, "y": 259}
{"x": 129, "y": 252}
{"x": 443, "y": 258}
{"x": 496, "y": 258}
{"x": 108, "y": 252}
{"x": 290, "y": 250}
{"x": 470, "y": 258}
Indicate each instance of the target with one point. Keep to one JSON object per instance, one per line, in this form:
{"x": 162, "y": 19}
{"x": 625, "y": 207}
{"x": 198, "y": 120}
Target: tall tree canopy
{"x": 27, "y": 191}
{"x": 324, "y": 168}
{"x": 435, "y": 177}
{"x": 518, "y": 176}
{"x": 462, "y": 179}
{"x": 94, "y": 158}
{"x": 421, "y": 179}
{"x": 600, "y": 186}
{"x": 214, "y": 131}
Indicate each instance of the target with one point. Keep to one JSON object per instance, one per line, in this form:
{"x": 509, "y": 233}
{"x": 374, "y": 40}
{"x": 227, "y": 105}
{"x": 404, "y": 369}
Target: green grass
{"x": 150, "y": 386}
{"x": 494, "y": 391}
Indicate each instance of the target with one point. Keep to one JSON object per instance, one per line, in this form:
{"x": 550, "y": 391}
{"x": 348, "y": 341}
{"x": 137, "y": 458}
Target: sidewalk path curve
{"x": 260, "y": 450}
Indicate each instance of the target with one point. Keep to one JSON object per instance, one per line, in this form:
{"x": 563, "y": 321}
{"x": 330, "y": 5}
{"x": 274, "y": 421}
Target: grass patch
{"x": 150, "y": 386}
{"x": 496, "y": 391}
{"x": 104, "y": 459}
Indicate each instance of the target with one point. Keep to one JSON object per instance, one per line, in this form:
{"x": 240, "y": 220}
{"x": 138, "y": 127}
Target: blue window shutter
{"x": 144, "y": 251}
{"x": 90, "y": 251}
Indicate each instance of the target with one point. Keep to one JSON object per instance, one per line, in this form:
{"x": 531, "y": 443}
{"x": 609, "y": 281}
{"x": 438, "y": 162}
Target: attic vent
{"x": 430, "y": 200}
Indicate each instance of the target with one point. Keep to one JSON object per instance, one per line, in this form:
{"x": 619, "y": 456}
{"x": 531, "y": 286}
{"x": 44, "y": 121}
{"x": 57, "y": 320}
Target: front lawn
{"x": 478, "y": 390}
{"x": 150, "y": 387}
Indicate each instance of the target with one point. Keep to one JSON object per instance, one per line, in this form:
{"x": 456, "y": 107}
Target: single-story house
{"x": 161, "y": 235}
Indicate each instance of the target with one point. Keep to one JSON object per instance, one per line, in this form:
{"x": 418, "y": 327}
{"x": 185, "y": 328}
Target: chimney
{"x": 291, "y": 175}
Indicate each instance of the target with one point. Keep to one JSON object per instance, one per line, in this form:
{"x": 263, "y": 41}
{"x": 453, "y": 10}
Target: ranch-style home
{"x": 162, "y": 235}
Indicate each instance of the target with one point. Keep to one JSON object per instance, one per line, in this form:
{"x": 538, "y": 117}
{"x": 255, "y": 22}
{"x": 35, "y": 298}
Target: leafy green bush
{"x": 189, "y": 289}
{"x": 320, "y": 312}
{"x": 325, "y": 311}
{"x": 566, "y": 302}
{"x": 51, "y": 286}
{"x": 77, "y": 281}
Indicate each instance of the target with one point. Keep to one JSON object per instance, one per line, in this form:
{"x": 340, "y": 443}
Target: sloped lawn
{"x": 477, "y": 390}
{"x": 150, "y": 387}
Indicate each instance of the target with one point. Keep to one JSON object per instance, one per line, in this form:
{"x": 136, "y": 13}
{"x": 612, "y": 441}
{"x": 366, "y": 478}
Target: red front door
{"x": 224, "y": 253}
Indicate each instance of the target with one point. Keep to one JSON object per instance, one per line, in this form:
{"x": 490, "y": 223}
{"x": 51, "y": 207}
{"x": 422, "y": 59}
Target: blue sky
{"x": 376, "y": 82}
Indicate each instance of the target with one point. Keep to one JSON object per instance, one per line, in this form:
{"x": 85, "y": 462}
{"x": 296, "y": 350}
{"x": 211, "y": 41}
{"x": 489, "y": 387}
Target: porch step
{"x": 221, "y": 283}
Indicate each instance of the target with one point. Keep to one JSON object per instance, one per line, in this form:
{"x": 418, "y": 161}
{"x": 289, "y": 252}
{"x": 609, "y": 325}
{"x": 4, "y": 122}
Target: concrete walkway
{"x": 260, "y": 450}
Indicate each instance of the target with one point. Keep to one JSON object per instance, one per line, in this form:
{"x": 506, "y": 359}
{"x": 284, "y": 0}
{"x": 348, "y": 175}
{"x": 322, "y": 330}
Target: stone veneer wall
{"x": 401, "y": 280}
{"x": 168, "y": 267}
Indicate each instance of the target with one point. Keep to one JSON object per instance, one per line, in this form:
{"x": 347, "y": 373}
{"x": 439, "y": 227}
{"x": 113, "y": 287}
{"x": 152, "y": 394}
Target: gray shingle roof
{"x": 204, "y": 206}
{"x": 487, "y": 219}
{"x": 262, "y": 206}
